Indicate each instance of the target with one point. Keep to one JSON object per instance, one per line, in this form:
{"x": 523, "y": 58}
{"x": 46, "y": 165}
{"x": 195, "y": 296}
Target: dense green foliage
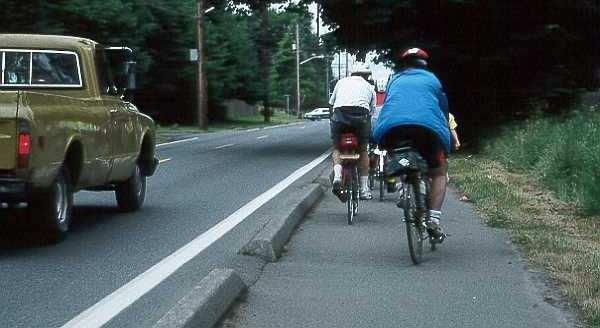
{"x": 162, "y": 32}
{"x": 493, "y": 56}
{"x": 563, "y": 153}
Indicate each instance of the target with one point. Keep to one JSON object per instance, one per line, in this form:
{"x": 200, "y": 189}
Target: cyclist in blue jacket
{"x": 416, "y": 109}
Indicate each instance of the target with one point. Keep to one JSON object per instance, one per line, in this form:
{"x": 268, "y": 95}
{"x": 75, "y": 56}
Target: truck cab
{"x": 67, "y": 124}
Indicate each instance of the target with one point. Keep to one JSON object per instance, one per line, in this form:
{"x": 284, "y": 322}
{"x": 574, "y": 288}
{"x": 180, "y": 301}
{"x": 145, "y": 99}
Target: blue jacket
{"x": 414, "y": 97}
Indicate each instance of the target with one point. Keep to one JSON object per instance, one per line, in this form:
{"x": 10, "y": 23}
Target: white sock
{"x": 337, "y": 172}
{"x": 435, "y": 216}
{"x": 364, "y": 183}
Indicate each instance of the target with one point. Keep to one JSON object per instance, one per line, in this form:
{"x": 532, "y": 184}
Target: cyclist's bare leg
{"x": 437, "y": 190}
{"x": 364, "y": 163}
{"x": 335, "y": 156}
{"x": 337, "y": 171}
{"x": 437, "y": 193}
{"x": 365, "y": 192}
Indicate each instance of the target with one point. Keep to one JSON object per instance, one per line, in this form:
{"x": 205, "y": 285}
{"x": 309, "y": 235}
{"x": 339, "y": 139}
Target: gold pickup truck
{"x": 65, "y": 125}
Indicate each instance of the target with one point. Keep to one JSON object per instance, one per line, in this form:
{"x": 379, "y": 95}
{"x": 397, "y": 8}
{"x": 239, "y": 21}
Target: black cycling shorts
{"x": 424, "y": 140}
{"x": 351, "y": 120}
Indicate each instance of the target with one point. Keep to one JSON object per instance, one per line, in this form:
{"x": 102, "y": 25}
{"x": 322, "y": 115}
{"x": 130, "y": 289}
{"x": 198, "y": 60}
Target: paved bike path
{"x": 335, "y": 275}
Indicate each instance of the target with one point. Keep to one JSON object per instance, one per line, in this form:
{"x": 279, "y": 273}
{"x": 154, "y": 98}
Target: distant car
{"x": 318, "y": 113}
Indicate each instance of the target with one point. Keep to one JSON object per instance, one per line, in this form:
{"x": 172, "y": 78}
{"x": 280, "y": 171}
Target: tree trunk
{"x": 264, "y": 57}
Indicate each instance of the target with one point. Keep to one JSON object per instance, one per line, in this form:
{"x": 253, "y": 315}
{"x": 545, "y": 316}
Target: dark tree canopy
{"x": 238, "y": 57}
{"x": 494, "y": 56}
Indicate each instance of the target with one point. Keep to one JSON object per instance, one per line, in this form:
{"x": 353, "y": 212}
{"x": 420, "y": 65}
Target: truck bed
{"x": 8, "y": 129}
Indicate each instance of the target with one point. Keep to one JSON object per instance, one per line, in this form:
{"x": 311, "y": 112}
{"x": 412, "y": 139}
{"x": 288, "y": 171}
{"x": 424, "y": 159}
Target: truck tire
{"x": 131, "y": 193}
{"x": 53, "y": 206}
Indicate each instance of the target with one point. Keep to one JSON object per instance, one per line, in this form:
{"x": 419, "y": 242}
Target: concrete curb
{"x": 206, "y": 303}
{"x": 269, "y": 242}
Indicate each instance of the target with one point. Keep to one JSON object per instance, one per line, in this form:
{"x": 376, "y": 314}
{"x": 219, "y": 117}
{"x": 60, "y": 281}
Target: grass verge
{"x": 563, "y": 153}
{"x": 550, "y": 232}
{"x": 170, "y": 133}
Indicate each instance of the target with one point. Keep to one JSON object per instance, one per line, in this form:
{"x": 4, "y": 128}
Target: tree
{"x": 492, "y": 54}
{"x": 264, "y": 46}
{"x": 283, "y": 72}
{"x": 161, "y": 32}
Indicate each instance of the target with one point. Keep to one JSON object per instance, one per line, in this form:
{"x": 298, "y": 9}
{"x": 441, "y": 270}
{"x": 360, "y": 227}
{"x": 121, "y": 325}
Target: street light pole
{"x": 346, "y": 63}
{"x": 327, "y": 66}
{"x": 298, "y": 71}
{"x": 201, "y": 78}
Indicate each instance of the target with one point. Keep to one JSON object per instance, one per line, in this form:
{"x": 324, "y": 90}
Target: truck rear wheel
{"x": 52, "y": 207}
{"x": 131, "y": 193}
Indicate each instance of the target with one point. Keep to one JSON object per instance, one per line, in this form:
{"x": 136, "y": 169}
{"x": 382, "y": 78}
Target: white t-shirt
{"x": 353, "y": 91}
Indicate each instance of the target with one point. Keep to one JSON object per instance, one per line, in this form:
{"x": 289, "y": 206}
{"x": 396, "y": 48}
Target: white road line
{"x": 225, "y": 146}
{"x": 303, "y": 127}
{"x": 164, "y": 160}
{"x": 281, "y": 125}
{"x": 110, "y": 306}
{"x": 176, "y": 142}
{"x": 252, "y": 130}
{"x": 262, "y": 137}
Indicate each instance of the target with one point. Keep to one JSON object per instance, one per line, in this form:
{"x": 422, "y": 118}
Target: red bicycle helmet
{"x": 415, "y": 53}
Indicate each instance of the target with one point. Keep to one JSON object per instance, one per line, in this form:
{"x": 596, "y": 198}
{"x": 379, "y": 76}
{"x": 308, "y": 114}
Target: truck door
{"x": 121, "y": 131}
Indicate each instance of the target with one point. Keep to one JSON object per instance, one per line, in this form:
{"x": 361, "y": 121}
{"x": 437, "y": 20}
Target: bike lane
{"x": 335, "y": 275}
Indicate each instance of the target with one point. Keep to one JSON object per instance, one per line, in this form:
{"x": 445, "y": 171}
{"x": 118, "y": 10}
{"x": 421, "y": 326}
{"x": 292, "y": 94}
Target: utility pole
{"x": 339, "y": 65}
{"x": 327, "y": 66}
{"x": 326, "y": 79}
{"x": 201, "y": 78}
{"x": 318, "y": 23}
{"x": 298, "y": 70}
{"x": 346, "y": 63}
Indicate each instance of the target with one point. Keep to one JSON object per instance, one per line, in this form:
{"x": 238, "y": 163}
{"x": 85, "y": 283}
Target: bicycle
{"x": 376, "y": 168}
{"x": 381, "y": 153}
{"x": 349, "y": 154}
{"x": 407, "y": 165}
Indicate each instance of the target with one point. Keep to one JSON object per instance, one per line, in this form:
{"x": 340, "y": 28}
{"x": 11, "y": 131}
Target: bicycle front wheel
{"x": 381, "y": 185}
{"x": 414, "y": 230}
{"x": 381, "y": 179}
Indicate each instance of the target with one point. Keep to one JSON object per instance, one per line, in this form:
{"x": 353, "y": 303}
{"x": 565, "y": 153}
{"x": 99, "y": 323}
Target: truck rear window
{"x": 40, "y": 68}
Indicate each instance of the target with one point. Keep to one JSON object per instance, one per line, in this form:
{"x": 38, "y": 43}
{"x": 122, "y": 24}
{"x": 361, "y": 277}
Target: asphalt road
{"x": 335, "y": 275}
{"x": 200, "y": 183}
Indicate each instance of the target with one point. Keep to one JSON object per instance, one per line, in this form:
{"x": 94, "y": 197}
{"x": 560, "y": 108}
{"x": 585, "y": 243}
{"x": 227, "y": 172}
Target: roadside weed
{"x": 551, "y": 233}
{"x": 562, "y": 153}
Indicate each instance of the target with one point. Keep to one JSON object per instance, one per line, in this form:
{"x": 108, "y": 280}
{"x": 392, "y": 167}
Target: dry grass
{"x": 550, "y": 232}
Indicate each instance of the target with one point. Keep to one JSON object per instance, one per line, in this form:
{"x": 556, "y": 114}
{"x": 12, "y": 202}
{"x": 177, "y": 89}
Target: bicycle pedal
{"x": 439, "y": 239}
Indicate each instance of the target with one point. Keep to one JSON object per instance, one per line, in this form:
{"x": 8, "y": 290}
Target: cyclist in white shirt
{"x": 353, "y": 101}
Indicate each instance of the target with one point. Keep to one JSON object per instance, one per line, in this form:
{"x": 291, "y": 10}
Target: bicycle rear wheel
{"x": 414, "y": 230}
{"x": 349, "y": 195}
{"x": 372, "y": 173}
{"x": 355, "y": 191}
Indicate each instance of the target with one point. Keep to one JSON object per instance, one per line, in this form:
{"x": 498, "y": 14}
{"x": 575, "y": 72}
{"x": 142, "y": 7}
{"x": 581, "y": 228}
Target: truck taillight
{"x": 24, "y": 149}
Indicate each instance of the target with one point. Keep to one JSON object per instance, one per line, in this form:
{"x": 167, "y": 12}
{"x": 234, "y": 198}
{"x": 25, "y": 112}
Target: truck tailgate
{"x": 8, "y": 129}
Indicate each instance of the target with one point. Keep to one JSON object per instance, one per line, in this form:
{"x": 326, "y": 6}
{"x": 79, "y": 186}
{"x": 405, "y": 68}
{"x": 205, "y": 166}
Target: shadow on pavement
{"x": 18, "y": 228}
